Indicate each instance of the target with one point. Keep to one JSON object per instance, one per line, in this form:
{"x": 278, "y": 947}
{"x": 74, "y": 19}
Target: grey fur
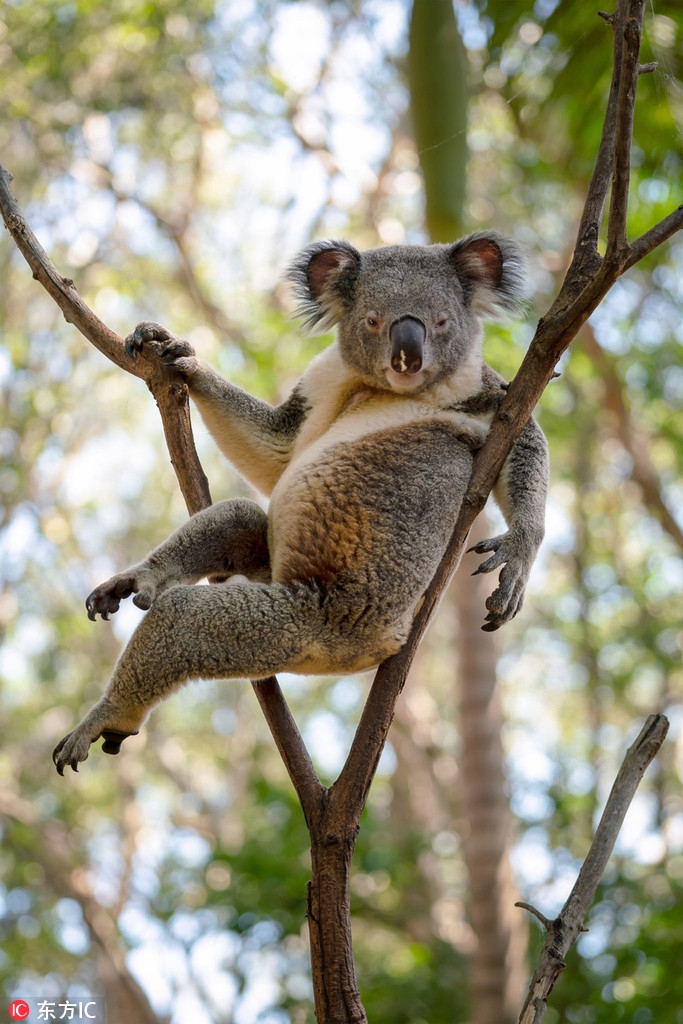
{"x": 366, "y": 464}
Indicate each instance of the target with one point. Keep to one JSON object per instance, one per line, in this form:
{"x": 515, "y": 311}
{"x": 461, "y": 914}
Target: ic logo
{"x": 19, "y": 1009}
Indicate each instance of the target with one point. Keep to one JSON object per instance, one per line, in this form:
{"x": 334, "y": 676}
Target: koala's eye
{"x": 441, "y": 322}
{"x": 373, "y": 322}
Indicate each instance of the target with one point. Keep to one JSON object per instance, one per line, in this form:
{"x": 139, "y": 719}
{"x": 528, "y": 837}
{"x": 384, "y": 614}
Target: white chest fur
{"x": 344, "y": 410}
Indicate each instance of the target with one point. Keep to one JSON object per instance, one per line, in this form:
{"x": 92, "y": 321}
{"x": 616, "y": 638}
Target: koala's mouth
{"x": 404, "y": 382}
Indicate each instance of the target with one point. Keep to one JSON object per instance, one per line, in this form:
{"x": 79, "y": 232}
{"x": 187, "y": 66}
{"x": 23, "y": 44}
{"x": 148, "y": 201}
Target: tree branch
{"x": 649, "y": 241}
{"x": 289, "y": 742}
{"x": 563, "y": 931}
{"x": 594, "y": 206}
{"x": 628, "y": 29}
{"x": 61, "y": 288}
{"x": 167, "y": 386}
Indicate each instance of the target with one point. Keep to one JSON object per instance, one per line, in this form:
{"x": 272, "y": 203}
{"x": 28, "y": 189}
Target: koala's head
{"x": 408, "y": 315}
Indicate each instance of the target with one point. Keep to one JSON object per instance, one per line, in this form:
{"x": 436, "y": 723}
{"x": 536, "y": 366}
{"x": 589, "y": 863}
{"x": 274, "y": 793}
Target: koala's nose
{"x": 407, "y": 337}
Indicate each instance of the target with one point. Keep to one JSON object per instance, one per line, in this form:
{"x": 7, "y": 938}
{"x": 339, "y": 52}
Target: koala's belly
{"x": 372, "y": 515}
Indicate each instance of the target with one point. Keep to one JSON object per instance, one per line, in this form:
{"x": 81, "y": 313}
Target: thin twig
{"x": 629, "y": 24}
{"x": 654, "y": 237}
{"x": 638, "y": 757}
{"x": 545, "y": 921}
{"x": 61, "y": 288}
{"x": 596, "y": 196}
{"x": 167, "y": 386}
{"x": 564, "y": 929}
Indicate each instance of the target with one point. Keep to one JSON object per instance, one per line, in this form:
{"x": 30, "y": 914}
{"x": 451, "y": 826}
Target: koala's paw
{"x": 507, "y": 599}
{"x": 153, "y": 340}
{"x": 106, "y": 599}
{"x": 75, "y": 746}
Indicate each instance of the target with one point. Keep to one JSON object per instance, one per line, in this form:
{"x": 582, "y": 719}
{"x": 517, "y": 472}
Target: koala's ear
{"x": 492, "y": 269}
{"x": 323, "y": 276}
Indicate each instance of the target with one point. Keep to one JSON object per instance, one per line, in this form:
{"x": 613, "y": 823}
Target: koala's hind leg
{"x": 226, "y": 630}
{"x": 226, "y": 539}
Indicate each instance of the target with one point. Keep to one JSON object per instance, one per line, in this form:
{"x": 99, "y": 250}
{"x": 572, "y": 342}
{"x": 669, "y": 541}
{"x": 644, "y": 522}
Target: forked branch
{"x": 628, "y": 27}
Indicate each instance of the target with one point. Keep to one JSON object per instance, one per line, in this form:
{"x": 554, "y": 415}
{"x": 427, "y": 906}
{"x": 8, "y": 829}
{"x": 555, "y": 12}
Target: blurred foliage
{"x": 170, "y": 158}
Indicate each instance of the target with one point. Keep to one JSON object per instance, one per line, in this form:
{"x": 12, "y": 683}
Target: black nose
{"x": 407, "y": 337}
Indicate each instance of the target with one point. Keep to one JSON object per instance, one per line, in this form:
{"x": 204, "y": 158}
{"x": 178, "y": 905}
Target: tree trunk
{"x": 437, "y": 79}
{"x": 499, "y": 958}
{"x": 335, "y": 988}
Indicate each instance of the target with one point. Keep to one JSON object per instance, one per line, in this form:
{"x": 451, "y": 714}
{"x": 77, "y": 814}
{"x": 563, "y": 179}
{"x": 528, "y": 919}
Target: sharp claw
{"x": 130, "y": 348}
{"x": 489, "y": 565}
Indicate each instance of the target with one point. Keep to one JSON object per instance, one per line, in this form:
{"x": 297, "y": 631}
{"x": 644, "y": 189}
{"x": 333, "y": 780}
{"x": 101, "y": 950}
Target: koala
{"x": 365, "y": 464}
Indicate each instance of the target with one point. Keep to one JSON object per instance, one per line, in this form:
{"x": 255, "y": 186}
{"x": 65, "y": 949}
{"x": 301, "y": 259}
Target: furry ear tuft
{"x": 493, "y": 269}
{"x": 323, "y": 276}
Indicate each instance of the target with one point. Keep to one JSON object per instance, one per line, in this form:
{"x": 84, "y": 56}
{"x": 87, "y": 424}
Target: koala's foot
{"x": 508, "y": 597}
{"x": 155, "y": 341}
{"x": 75, "y": 746}
{"x": 105, "y": 599}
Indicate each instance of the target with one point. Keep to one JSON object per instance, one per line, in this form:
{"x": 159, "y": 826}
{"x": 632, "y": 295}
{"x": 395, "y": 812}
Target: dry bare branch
{"x": 563, "y": 931}
{"x": 167, "y": 386}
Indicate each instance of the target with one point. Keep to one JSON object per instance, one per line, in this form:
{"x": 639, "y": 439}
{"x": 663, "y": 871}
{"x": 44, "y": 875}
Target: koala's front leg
{"x": 515, "y": 551}
{"x": 154, "y": 339}
{"x": 521, "y": 492}
{"x": 257, "y": 437}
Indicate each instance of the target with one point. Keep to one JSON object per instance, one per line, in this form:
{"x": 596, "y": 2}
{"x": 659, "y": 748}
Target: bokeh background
{"x": 171, "y": 157}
